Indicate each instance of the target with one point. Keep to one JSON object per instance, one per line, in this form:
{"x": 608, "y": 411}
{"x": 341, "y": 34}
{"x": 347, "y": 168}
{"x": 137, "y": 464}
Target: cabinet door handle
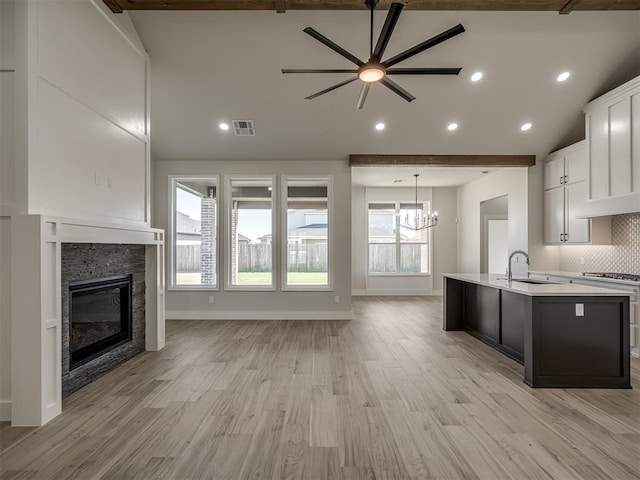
{"x": 561, "y": 237}
{"x": 565, "y": 179}
{"x": 561, "y": 182}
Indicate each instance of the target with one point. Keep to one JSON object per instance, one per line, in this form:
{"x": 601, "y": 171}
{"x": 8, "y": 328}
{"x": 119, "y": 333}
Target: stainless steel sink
{"x": 529, "y": 280}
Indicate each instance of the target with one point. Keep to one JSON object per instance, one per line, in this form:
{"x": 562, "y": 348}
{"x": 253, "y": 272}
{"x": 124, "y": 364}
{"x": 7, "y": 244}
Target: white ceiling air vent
{"x": 243, "y": 128}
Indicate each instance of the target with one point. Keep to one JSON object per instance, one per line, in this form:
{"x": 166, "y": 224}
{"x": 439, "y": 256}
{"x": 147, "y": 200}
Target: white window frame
{"x": 173, "y": 181}
{"x": 228, "y": 178}
{"x": 398, "y": 243}
{"x": 284, "y": 233}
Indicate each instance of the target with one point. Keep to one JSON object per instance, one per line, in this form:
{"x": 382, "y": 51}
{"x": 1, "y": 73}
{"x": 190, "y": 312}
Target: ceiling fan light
{"x": 371, "y": 73}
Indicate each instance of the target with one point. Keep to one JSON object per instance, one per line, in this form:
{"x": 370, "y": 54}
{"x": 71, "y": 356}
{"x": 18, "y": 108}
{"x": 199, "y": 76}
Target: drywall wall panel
{"x": 445, "y": 234}
{"x": 81, "y": 52}
{"x": 85, "y": 165}
{"x": 7, "y": 79}
{"x": 358, "y": 240}
{"x": 7, "y": 158}
{"x": 5, "y": 318}
{"x": 508, "y": 181}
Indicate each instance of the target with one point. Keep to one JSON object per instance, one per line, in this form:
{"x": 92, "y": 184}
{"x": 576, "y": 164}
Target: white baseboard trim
{"x": 5, "y": 410}
{"x": 257, "y": 315}
{"x": 396, "y": 293}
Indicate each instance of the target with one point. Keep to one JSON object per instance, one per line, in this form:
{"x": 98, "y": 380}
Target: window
{"x": 395, "y": 247}
{"x": 250, "y": 233}
{"x": 195, "y": 221}
{"x": 306, "y": 250}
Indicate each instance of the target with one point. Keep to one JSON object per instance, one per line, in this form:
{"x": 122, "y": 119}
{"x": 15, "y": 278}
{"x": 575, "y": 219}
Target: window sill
{"x": 249, "y": 288}
{"x": 192, "y": 288}
{"x": 301, "y": 288}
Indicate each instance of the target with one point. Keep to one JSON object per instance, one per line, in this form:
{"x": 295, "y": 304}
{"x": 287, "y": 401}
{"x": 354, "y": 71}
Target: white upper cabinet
{"x": 554, "y": 172}
{"x": 613, "y": 140}
{"x": 566, "y": 190}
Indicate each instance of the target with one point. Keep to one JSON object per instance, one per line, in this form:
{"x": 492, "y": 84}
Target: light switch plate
{"x": 579, "y": 309}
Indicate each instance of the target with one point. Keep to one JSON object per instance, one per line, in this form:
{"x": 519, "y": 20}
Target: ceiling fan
{"x": 375, "y": 69}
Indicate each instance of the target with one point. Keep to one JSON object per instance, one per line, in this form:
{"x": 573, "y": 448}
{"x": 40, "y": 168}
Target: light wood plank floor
{"x": 386, "y": 396}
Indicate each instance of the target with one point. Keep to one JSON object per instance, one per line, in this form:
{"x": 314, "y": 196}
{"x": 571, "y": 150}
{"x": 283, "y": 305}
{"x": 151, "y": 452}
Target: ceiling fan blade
{"x": 326, "y": 70}
{"x": 421, "y": 47}
{"x": 363, "y": 95}
{"x": 333, "y": 46}
{"x": 423, "y": 71}
{"x": 327, "y": 90}
{"x": 387, "y": 29}
{"x": 394, "y": 87}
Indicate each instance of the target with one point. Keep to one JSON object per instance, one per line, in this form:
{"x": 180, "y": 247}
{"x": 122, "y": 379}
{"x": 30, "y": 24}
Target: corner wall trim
{"x": 5, "y": 410}
{"x": 257, "y": 315}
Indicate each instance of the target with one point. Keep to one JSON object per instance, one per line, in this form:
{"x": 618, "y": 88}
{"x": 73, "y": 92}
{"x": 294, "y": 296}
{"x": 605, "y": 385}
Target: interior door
{"x": 497, "y": 245}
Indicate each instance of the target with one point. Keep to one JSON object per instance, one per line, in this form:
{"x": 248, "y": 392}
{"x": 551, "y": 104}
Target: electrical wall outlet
{"x": 210, "y": 298}
{"x": 336, "y": 299}
{"x": 579, "y": 309}
{"x": 581, "y": 260}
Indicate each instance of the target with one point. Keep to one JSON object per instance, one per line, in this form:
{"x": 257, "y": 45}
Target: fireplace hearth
{"x": 100, "y": 317}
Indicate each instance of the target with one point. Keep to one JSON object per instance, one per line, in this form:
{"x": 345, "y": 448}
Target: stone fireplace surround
{"x": 88, "y": 261}
{"x": 36, "y": 307}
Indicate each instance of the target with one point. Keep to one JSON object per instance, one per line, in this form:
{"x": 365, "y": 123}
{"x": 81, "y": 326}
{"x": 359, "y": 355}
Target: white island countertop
{"x": 536, "y": 290}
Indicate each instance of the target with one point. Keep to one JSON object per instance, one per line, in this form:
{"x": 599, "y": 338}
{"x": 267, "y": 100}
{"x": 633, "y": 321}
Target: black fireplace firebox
{"x": 100, "y": 315}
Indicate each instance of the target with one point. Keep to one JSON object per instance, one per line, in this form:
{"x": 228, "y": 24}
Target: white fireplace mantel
{"x": 36, "y": 310}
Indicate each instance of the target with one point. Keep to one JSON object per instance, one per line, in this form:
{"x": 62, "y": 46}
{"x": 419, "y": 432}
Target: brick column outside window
{"x": 208, "y": 240}
{"x": 234, "y": 244}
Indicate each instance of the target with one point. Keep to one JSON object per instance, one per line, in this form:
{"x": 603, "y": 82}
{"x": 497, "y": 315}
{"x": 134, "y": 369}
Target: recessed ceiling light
{"x": 563, "y": 76}
{"x": 476, "y": 76}
{"x": 224, "y": 126}
{"x": 380, "y": 126}
{"x": 525, "y": 127}
{"x": 452, "y": 126}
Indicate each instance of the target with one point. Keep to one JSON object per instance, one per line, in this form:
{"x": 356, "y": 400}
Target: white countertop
{"x": 537, "y": 290}
{"x": 562, "y": 273}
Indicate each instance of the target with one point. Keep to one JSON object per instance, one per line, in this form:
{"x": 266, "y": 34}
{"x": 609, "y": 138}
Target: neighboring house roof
{"x": 187, "y": 225}
{"x": 242, "y": 238}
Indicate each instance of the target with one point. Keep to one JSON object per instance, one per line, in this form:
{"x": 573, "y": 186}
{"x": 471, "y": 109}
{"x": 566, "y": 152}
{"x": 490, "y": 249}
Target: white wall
{"x": 5, "y": 319}
{"x": 508, "y": 181}
{"x": 358, "y": 240}
{"x": 84, "y": 111}
{"x": 445, "y": 235}
{"x": 6, "y": 199}
{"x": 257, "y": 304}
{"x": 443, "y": 257}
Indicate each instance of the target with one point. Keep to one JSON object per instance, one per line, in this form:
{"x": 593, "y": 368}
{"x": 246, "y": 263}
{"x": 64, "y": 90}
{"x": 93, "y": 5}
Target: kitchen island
{"x": 565, "y": 335}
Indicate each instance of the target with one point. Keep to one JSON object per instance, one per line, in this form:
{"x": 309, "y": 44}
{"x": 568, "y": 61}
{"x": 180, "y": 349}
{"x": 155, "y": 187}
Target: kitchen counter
{"x": 565, "y": 335}
{"x": 536, "y": 290}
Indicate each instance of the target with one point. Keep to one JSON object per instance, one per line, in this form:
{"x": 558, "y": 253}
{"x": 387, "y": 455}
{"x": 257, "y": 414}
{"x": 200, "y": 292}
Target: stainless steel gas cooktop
{"x": 616, "y": 276}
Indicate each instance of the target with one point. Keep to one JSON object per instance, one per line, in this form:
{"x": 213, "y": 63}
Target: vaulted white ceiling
{"x": 209, "y": 67}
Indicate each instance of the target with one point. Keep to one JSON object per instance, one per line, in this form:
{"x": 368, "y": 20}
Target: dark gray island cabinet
{"x": 565, "y": 335}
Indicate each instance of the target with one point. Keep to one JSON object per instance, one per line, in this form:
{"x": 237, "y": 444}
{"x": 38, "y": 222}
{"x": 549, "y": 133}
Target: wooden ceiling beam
{"x": 562, "y": 6}
{"x": 365, "y": 160}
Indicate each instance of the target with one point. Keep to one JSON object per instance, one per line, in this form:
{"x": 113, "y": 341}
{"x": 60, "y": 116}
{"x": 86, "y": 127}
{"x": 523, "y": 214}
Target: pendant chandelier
{"x": 420, "y": 221}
